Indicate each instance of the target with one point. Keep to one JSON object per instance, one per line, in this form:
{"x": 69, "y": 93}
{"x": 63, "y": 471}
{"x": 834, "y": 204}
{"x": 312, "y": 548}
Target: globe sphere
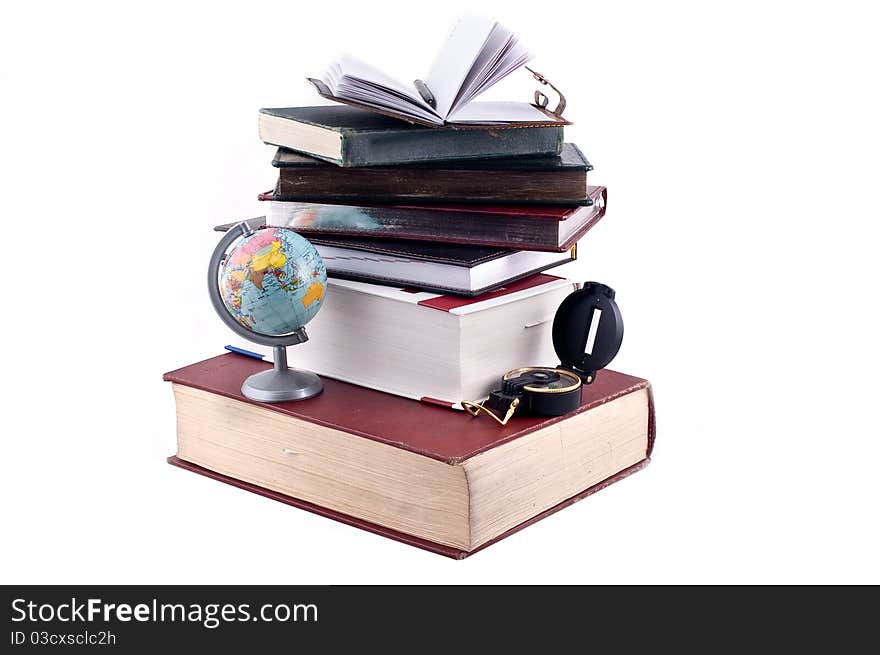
{"x": 273, "y": 281}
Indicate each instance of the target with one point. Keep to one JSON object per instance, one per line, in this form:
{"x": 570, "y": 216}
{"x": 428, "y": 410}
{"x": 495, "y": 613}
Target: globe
{"x": 273, "y": 282}
{"x": 265, "y": 285}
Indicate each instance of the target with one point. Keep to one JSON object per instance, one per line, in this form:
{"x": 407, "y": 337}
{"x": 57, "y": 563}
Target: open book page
{"x": 476, "y": 113}
{"x": 456, "y": 58}
{"x": 352, "y": 79}
{"x": 477, "y": 54}
{"x": 501, "y": 55}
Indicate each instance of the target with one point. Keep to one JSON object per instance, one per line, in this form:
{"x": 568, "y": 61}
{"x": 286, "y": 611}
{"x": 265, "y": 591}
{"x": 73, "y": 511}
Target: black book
{"x": 439, "y": 267}
{"x": 556, "y": 179}
{"x": 430, "y": 266}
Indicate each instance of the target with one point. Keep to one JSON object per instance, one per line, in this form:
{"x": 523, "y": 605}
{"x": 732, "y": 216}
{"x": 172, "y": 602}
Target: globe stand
{"x": 281, "y": 383}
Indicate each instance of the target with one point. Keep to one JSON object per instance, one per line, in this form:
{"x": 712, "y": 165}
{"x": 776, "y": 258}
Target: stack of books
{"x": 435, "y": 264}
{"x": 437, "y": 242}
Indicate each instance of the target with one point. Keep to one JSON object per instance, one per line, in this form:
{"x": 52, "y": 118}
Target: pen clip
{"x": 425, "y": 92}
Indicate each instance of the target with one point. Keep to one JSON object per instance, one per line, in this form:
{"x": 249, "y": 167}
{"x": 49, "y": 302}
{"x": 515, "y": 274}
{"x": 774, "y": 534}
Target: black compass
{"x": 587, "y": 333}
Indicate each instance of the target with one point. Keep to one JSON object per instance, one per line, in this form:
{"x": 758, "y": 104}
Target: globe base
{"x": 281, "y": 384}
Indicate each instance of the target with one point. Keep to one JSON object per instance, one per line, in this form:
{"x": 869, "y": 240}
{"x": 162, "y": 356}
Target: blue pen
{"x": 242, "y": 351}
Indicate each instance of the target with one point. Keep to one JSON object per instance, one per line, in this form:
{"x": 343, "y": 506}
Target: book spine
{"x": 415, "y": 146}
{"x": 288, "y": 195}
{"x": 379, "y": 184}
{"x": 507, "y": 231}
{"x": 419, "y": 285}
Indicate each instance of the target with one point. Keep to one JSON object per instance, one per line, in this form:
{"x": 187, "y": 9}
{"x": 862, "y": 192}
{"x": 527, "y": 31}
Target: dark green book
{"x": 556, "y": 179}
{"x": 348, "y": 136}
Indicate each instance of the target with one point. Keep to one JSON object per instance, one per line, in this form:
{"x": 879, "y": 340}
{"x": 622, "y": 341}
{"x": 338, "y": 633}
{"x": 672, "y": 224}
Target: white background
{"x": 739, "y": 142}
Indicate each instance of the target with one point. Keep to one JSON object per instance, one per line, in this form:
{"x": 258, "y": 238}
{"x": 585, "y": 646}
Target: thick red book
{"x": 421, "y": 474}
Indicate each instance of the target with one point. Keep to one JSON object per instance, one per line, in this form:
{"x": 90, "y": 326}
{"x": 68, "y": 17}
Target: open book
{"x": 477, "y": 54}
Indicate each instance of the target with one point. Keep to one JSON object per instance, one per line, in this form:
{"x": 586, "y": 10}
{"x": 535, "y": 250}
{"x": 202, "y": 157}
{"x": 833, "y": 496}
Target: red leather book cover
{"x": 549, "y": 228}
{"x": 533, "y": 212}
{"x": 429, "y": 430}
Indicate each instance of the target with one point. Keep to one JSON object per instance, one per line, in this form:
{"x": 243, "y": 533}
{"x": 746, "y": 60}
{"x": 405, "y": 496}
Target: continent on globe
{"x": 315, "y": 292}
{"x": 267, "y": 258}
{"x": 273, "y": 282}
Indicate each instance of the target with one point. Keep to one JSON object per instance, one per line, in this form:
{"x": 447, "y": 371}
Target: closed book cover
{"x": 559, "y": 179}
{"x": 439, "y": 348}
{"x": 348, "y": 136}
{"x": 422, "y": 475}
{"x": 548, "y": 228}
{"x": 432, "y": 266}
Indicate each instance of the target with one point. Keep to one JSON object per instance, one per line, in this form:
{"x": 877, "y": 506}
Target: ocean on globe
{"x": 273, "y": 281}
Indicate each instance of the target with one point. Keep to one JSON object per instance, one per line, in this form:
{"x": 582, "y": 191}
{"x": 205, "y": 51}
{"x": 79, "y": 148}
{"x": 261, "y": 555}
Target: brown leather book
{"x": 425, "y": 475}
{"x": 557, "y": 179}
